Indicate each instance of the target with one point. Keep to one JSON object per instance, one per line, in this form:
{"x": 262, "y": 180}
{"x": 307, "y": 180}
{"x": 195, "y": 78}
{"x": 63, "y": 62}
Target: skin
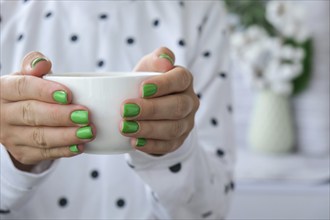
{"x": 35, "y": 128}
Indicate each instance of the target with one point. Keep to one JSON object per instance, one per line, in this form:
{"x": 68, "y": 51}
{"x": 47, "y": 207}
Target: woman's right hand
{"x": 37, "y": 120}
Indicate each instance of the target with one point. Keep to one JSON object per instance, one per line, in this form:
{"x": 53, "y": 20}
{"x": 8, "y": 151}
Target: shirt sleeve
{"x": 196, "y": 180}
{"x": 18, "y": 186}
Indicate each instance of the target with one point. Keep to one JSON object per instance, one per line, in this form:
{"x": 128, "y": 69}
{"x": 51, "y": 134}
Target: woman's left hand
{"x": 160, "y": 121}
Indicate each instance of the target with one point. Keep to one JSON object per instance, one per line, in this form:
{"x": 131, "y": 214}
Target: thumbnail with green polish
{"x": 74, "y": 148}
{"x": 131, "y": 110}
{"x": 130, "y": 127}
{"x": 140, "y": 142}
{"x": 37, "y": 60}
{"x": 149, "y": 90}
{"x": 79, "y": 117}
{"x": 85, "y": 133}
{"x": 165, "y": 56}
{"x": 60, "y": 97}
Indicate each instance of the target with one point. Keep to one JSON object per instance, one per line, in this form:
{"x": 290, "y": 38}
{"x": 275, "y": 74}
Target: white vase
{"x": 271, "y": 128}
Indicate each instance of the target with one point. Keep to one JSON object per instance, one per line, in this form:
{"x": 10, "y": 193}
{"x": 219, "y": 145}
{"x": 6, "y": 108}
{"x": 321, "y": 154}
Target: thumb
{"x": 35, "y": 64}
{"x": 160, "y": 60}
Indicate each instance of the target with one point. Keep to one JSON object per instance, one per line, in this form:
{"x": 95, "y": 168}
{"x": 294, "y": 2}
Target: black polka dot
{"x": 120, "y": 203}
{"x": 94, "y": 174}
{"x": 48, "y": 14}
{"x": 100, "y": 63}
{"x": 74, "y": 38}
{"x": 155, "y": 23}
{"x": 232, "y": 185}
{"x": 182, "y": 43}
{"x": 230, "y": 108}
{"x": 220, "y": 152}
{"x": 207, "y": 54}
{"x": 214, "y": 122}
{"x": 0, "y": 19}
{"x": 199, "y": 95}
{"x": 207, "y": 214}
{"x": 175, "y": 168}
{"x": 3, "y": 211}
{"x": 130, "y": 40}
{"x": 103, "y": 16}
{"x": 20, "y": 37}
{"x": 25, "y": 1}
{"x": 62, "y": 202}
{"x": 181, "y": 3}
{"x": 223, "y": 75}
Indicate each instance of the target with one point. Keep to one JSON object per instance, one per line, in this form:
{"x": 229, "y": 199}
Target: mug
{"x": 103, "y": 94}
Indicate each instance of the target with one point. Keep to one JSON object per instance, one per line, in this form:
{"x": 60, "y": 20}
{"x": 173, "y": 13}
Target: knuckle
{"x": 177, "y": 130}
{"x": 152, "y": 112}
{"x": 45, "y": 154}
{"x": 186, "y": 78}
{"x": 181, "y": 107}
{"x": 38, "y": 137}
{"x": 21, "y": 84}
{"x": 27, "y": 114}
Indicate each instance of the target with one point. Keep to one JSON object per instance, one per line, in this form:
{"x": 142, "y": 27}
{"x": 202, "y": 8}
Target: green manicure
{"x": 149, "y": 90}
{"x": 140, "y": 142}
{"x": 85, "y": 133}
{"x": 131, "y": 110}
{"x": 79, "y": 117}
{"x": 165, "y": 56}
{"x": 74, "y": 148}
{"x": 37, "y": 60}
{"x": 60, "y": 97}
{"x": 130, "y": 127}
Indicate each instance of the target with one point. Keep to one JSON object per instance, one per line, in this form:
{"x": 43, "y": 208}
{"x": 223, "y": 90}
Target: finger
{"x": 174, "y": 81}
{"x": 50, "y": 137}
{"x": 36, "y": 113}
{"x": 18, "y": 87}
{"x": 167, "y": 107}
{"x": 30, "y": 155}
{"x": 152, "y": 146}
{"x": 160, "y": 130}
{"x": 160, "y": 60}
{"x": 35, "y": 64}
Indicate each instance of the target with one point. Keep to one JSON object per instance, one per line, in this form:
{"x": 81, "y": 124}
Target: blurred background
{"x": 281, "y": 108}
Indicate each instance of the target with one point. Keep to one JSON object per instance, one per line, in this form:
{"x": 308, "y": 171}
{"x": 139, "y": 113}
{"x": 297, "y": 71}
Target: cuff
{"x": 140, "y": 160}
{"x": 19, "y": 179}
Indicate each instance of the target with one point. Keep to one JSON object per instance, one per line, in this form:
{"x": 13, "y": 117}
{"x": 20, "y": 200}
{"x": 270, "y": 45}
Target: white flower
{"x": 288, "y": 18}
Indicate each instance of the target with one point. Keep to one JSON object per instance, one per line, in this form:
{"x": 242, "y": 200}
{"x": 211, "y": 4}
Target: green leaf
{"x": 301, "y": 82}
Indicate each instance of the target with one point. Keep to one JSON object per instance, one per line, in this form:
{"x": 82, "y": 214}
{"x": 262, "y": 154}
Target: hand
{"x": 37, "y": 120}
{"x": 160, "y": 121}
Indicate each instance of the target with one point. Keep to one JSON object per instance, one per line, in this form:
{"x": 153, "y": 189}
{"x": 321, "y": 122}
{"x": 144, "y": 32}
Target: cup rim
{"x": 100, "y": 74}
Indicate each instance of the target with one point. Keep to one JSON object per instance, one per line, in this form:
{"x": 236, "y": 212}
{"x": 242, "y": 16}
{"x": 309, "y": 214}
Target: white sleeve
{"x": 196, "y": 180}
{"x": 18, "y": 186}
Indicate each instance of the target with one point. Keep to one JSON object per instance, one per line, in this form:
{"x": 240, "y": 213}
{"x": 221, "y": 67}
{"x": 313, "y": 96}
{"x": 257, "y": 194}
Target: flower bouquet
{"x": 274, "y": 51}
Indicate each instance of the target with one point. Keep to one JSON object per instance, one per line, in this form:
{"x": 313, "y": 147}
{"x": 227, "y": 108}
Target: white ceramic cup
{"x": 103, "y": 94}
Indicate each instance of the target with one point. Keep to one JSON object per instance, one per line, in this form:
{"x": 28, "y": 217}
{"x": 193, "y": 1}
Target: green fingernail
{"x": 80, "y": 117}
{"x": 37, "y": 60}
{"x": 74, "y": 148}
{"x": 130, "y": 127}
{"x": 165, "y": 56}
{"x": 131, "y": 110}
{"x": 85, "y": 133}
{"x": 140, "y": 142}
{"x": 149, "y": 90}
{"x": 60, "y": 97}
